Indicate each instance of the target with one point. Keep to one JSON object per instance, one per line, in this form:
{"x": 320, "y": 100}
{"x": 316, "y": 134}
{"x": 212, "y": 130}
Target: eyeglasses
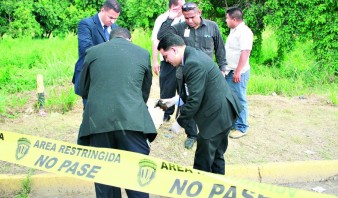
{"x": 188, "y": 6}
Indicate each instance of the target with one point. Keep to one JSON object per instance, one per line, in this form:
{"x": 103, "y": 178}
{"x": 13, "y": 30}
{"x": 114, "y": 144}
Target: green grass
{"x": 299, "y": 73}
{"x": 23, "y": 59}
{"x": 26, "y": 186}
{"x": 61, "y": 99}
{"x": 142, "y": 38}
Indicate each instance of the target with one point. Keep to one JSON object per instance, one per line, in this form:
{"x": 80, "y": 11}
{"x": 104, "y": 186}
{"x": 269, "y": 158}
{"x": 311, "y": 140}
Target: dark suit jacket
{"x": 116, "y": 78}
{"x": 210, "y": 102}
{"x": 90, "y": 33}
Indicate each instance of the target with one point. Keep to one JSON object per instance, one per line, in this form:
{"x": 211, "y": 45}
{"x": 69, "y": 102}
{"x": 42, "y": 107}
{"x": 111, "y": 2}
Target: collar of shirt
{"x": 203, "y": 22}
{"x": 238, "y": 26}
{"x": 182, "y": 60}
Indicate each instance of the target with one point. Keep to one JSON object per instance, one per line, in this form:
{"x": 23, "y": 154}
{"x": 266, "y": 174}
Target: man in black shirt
{"x": 196, "y": 32}
{"x": 201, "y": 34}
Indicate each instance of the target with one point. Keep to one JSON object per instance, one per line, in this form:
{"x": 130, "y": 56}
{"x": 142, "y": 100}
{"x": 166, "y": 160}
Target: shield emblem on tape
{"x": 147, "y": 172}
{"x": 22, "y": 148}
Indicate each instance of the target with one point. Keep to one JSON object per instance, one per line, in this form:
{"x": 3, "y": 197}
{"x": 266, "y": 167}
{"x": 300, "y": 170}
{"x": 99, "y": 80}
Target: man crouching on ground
{"x": 207, "y": 99}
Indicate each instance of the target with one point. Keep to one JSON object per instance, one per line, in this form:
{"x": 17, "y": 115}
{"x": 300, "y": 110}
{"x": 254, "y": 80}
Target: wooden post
{"x": 41, "y": 94}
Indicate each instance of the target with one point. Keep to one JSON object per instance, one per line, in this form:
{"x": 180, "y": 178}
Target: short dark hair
{"x": 173, "y": 2}
{"x": 170, "y": 40}
{"x": 235, "y": 13}
{"x": 112, "y": 4}
{"x": 119, "y": 32}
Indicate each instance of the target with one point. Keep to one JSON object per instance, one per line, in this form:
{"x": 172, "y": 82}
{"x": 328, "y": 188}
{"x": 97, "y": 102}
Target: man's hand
{"x": 164, "y": 104}
{"x": 175, "y": 127}
{"x": 160, "y": 104}
{"x": 236, "y": 78}
{"x": 156, "y": 68}
{"x": 175, "y": 11}
{"x": 169, "y": 102}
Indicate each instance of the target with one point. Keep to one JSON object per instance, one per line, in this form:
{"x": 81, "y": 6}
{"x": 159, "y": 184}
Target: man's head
{"x": 176, "y": 3}
{"x": 172, "y": 49}
{"x": 110, "y": 11}
{"x": 120, "y": 32}
{"x": 234, "y": 16}
{"x": 176, "y": 6}
{"x": 191, "y": 14}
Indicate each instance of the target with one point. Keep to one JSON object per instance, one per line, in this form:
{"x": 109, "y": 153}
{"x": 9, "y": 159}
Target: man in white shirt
{"x": 238, "y": 48}
{"x": 167, "y": 72}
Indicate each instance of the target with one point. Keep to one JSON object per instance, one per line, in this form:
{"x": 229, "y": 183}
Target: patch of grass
{"x": 3, "y": 102}
{"x": 55, "y": 58}
{"x": 333, "y": 96}
{"x": 142, "y": 38}
{"x": 325, "y": 156}
{"x": 296, "y": 140}
{"x": 26, "y": 186}
{"x": 61, "y": 99}
{"x": 298, "y": 74}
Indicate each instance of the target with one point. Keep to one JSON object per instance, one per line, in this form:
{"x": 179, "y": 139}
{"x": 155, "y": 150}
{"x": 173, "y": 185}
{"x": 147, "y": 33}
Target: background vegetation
{"x": 295, "y": 50}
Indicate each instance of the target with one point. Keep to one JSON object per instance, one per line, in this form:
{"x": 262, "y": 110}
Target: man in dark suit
{"x": 207, "y": 99}
{"x": 201, "y": 34}
{"x": 93, "y": 31}
{"x": 116, "y": 79}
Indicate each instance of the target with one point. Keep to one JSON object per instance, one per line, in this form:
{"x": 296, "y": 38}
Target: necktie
{"x": 105, "y": 31}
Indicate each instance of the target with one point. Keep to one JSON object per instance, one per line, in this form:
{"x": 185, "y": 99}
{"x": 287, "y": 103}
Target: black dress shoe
{"x": 166, "y": 118}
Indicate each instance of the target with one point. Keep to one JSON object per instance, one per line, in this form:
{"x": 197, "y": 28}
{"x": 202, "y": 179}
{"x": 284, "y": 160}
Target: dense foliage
{"x": 315, "y": 21}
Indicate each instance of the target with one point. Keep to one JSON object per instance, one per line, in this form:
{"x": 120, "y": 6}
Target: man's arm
{"x": 241, "y": 63}
{"x": 157, "y": 25}
{"x": 156, "y": 65}
{"x": 196, "y": 84}
{"x": 219, "y": 49}
{"x": 84, "y": 79}
{"x": 85, "y": 39}
{"x": 165, "y": 29}
{"x": 147, "y": 81}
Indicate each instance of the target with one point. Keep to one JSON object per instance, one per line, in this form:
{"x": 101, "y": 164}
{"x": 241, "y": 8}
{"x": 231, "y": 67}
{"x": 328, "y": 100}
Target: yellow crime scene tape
{"x": 131, "y": 170}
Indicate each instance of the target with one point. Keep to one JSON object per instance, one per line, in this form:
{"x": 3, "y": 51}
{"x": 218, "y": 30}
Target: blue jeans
{"x": 239, "y": 89}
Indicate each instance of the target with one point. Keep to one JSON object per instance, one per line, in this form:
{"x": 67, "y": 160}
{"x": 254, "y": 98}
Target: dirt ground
{"x": 281, "y": 129}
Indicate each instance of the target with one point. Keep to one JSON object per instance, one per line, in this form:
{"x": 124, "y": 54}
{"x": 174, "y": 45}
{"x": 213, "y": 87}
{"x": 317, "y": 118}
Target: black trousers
{"x": 190, "y": 127}
{"x": 209, "y": 155}
{"x": 168, "y": 84}
{"x": 124, "y": 140}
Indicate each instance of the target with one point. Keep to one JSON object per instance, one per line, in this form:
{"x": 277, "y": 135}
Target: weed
{"x": 62, "y": 100}
{"x": 26, "y": 186}
{"x": 333, "y": 97}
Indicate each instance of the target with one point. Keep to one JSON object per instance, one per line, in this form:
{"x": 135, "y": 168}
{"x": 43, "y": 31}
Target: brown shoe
{"x": 236, "y": 134}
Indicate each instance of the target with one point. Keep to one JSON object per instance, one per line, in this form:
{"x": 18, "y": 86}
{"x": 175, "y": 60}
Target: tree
{"x": 307, "y": 20}
{"x": 51, "y": 14}
{"x": 21, "y": 21}
{"x": 136, "y": 13}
